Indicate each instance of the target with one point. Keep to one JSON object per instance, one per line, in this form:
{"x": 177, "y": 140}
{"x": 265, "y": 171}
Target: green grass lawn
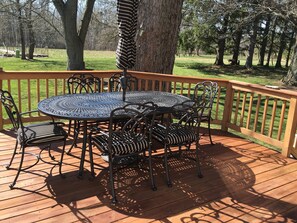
{"x": 200, "y": 66}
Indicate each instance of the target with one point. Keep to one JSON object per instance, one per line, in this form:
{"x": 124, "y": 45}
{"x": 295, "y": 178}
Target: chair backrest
{"x": 11, "y": 109}
{"x": 187, "y": 113}
{"x": 206, "y": 92}
{"x": 116, "y": 82}
{"x": 136, "y": 121}
{"x": 83, "y": 83}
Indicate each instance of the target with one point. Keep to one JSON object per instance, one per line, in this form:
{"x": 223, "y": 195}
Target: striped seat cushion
{"x": 176, "y": 135}
{"x": 121, "y": 145}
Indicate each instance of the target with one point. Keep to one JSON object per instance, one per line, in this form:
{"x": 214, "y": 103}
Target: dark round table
{"x": 98, "y": 106}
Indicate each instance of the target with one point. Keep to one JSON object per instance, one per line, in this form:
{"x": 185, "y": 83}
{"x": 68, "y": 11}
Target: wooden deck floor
{"x": 243, "y": 182}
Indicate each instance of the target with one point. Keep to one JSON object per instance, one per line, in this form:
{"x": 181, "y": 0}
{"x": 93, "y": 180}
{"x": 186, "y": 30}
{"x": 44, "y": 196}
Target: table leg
{"x": 83, "y": 150}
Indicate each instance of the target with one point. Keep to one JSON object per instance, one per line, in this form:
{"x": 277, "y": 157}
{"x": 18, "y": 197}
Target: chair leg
{"x": 114, "y": 199}
{"x": 169, "y": 184}
{"x": 209, "y": 134}
{"x": 13, "y": 155}
{"x": 61, "y": 160}
{"x": 19, "y": 169}
{"x": 49, "y": 152}
{"x": 76, "y": 126}
{"x": 154, "y": 188}
{"x": 69, "y": 127}
{"x": 91, "y": 159}
{"x": 199, "y": 174}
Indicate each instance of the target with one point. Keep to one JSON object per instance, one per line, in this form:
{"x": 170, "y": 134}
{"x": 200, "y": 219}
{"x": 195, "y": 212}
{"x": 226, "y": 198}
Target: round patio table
{"x": 98, "y": 106}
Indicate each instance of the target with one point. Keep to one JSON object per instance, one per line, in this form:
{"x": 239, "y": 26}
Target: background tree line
{"x": 264, "y": 28}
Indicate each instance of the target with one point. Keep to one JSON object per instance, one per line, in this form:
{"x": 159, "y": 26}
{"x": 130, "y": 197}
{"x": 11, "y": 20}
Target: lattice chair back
{"x": 206, "y": 92}
{"x": 115, "y": 82}
{"x": 11, "y": 109}
{"x": 83, "y": 83}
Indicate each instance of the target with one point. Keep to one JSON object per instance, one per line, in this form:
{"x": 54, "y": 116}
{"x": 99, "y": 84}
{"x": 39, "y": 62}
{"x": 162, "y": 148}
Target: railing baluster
{"x": 264, "y": 115}
{"x": 243, "y": 109}
{"x": 250, "y": 111}
{"x": 174, "y": 87}
{"x": 20, "y": 96}
{"x": 46, "y": 88}
{"x": 281, "y": 121}
{"x": 272, "y": 117}
{"x": 29, "y": 95}
{"x": 218, "y": 103}
{"x": 56, "y": 86}
{"x": 237, "y": 107}
{"x": 257, "y": 113}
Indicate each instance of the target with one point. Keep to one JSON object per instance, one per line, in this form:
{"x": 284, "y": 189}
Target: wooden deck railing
{"x": 265, "y": 114}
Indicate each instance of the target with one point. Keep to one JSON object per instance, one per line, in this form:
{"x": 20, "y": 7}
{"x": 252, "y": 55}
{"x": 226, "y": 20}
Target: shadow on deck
{"x": 243, "y": 182}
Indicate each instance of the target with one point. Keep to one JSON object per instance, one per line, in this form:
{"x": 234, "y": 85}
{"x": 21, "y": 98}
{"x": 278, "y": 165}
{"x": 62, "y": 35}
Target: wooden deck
{"x": 243, "y": 182}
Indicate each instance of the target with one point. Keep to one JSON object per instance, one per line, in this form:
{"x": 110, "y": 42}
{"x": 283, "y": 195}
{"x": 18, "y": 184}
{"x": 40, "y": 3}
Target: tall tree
{"x": 222, "y": 33}
{"x": 19, "y": 10}
{"x": 252, "y": 44}
{"x": 287, "y": 10}
{"x": 264, "y": 42}
{"x": 282, "y": 47}
{"x": 157, "y": 38}
{"x": 31, "y": 33}
{"x": 74, "y": 36}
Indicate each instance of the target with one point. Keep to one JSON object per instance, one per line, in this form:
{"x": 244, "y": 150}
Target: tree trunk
{"x": 282, "y": 47}
{"x": 291, "y": 77}
{"x": 236, "y": 48}
{"x": 74, "y": 38}
{"x": 222, "y": 43}
{"x": 271, "y": 43}
{"x": 264, "y": 41}
{"x": 30, "y": 32}
{"x": 253, "y": 38}
{"x": 157, "y": 38}
{"x": 292, "y": 40}
{"x": 21, "y": 28}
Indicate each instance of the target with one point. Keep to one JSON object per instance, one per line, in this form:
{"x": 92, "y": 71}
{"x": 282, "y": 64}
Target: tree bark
{"x": 74, "y": 37}
{"x": 30, "y": 32}
{"x": 157, "y": 38}
{"x": 222, "y": 42}
{"x": 21, "y": 29}
{"x": 271, "y": 43}
{"x": 282, "y": 47}
{"x": 291, "y": 77}
{"x": 253, "y": 38}
{"x": 264, "y": 41}
{"x": 236, "y": 48}
{"x": 292, "y": 40}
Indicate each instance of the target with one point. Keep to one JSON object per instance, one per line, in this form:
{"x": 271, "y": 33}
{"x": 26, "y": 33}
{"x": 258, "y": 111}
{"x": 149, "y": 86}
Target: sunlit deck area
{"x": 243, "y": 182}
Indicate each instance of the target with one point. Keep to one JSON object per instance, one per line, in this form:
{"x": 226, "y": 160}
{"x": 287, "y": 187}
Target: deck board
{"x": 243, "y": 182}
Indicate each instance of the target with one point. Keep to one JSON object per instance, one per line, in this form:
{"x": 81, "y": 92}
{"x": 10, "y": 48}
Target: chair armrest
{"x": 28, "y": 112}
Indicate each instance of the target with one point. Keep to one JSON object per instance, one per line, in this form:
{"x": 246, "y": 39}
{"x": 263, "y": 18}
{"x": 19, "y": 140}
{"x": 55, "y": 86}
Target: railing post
{"x": 290, "y": 128}
{"x": 1, "y": 114}
{"x": 227, "y": 107}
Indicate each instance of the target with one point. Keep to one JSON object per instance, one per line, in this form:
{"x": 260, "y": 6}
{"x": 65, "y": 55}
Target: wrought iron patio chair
{"x": 181, "y": 129}
{"x": 78, "y": 84}
{"x": 116, "y": 82}
{"x": 37, "y": 134}
{"x": 126, "y": 141}
{"x": 206, "y": 92}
